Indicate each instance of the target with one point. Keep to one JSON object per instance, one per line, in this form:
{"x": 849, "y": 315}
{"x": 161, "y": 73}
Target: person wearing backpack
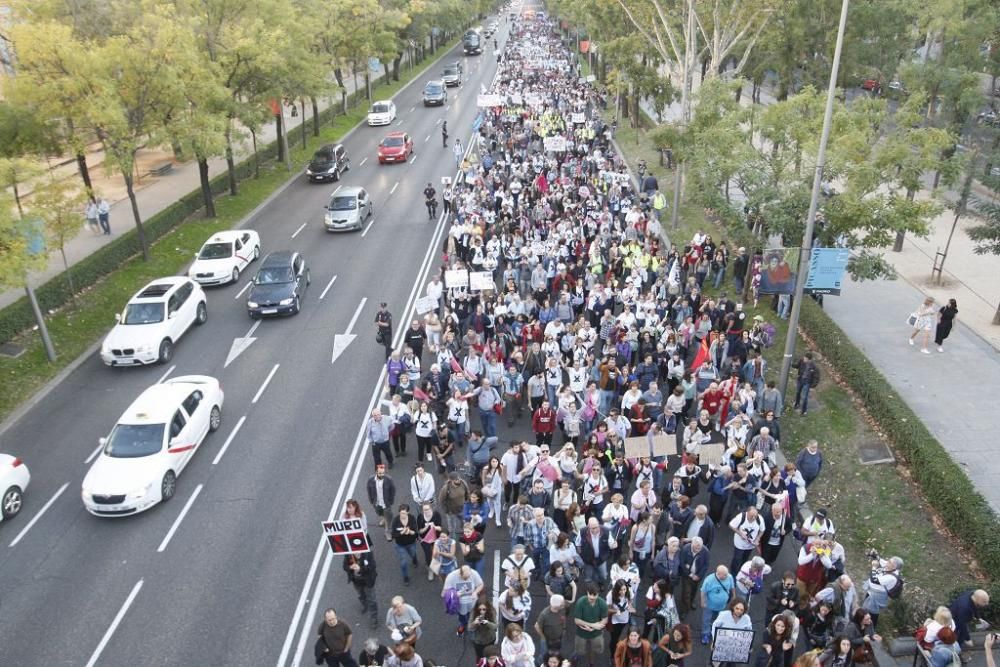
{"x": 883, "y": 585}
{"x": 808, "y": 379}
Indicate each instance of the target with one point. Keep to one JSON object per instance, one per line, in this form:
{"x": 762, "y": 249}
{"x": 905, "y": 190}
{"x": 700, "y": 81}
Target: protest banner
{"x": 579, "y": 117}
{"x": 426, "y": 304}
{"x": 663, "y": 445}
{"x": 489, "y": 101}
{"x": 557, "y": 143}
{"x": 732, "y": 646}
{"x": 456, "y": 278}
{"x": 481, "y": 280}
{"x": 346, "y": 536}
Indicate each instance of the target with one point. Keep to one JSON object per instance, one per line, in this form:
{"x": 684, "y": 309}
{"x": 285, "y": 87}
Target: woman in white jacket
{"x": 424, "y": 427}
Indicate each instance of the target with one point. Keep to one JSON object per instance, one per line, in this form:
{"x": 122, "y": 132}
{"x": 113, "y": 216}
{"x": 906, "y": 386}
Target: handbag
{"x": 435, "y": 566}
{"x": 498, "y": 408}
{"x": 912, "y": 320}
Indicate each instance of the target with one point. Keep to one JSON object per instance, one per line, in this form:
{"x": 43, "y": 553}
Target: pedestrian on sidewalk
{"x": 808, "y": 379}
{"x": 334, "y": 643}
{"x": 382, "y": 494}
{"x": 104, "y": 215}
{"x": 459, "y": 151}
{"x": 360, "y": 569}
{"x": 383, "y": 328}
{"x": 922, "y": 321}
{"x": 378, "y": 436}
{"x": 93, "y": 215}
{"x": 945, "y": 320}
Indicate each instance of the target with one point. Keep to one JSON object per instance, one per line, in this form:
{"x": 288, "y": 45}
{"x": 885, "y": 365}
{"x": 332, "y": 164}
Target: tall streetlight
{"x": 807, "y": 237}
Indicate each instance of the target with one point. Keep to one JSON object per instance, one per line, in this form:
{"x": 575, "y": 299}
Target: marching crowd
{"x": 655, "y": 427}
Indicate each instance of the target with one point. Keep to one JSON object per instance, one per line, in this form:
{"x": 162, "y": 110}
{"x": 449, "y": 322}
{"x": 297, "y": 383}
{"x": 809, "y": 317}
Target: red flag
{"x": 701, "y": 357}
{"x": 420, "y": 394}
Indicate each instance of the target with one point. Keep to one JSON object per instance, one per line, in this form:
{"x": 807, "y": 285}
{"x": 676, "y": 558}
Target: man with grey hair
{"x": 372, "y": 654}
{"x": 551, "y": 626}
{"x": 884, "y": 585}
{"x": 842, "y": 596}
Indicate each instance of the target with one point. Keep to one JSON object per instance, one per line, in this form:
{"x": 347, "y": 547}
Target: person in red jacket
{"x": 639, "y": 417}
{"x": 711, "y": 400}
{"x": 543, "y": 423}
{"x": 814, "y": 561}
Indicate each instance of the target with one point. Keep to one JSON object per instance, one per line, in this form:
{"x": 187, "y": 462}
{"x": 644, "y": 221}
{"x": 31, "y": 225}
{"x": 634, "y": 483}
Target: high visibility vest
{"x": 659, "y": 201}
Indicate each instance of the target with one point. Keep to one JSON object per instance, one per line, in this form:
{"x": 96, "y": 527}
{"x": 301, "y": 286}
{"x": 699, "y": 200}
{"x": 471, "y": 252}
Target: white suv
{"x": 152, "y": 322}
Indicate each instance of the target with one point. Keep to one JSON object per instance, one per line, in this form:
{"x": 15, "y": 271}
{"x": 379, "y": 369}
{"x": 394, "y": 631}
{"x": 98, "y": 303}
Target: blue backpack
{"x": 451, "y": 602}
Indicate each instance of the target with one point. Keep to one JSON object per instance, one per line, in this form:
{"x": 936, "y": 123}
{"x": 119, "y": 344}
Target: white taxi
{"x": 224, "y": 256}
{"x": 153, "y": 321}
{"x": 14, "y": 479}
{"x": 382, "y": 112}
{"x": 151, "y": 444}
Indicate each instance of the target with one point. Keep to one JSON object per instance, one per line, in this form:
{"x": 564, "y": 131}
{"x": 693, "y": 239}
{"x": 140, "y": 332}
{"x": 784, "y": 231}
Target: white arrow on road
{"x": 341, "y": 341}
{"x": 241, "y": 344}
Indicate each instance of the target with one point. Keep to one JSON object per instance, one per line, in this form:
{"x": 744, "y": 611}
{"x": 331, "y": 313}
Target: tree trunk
{"x": 302, "y": 123}
{"x": 897, "y": 246}
{"x": 339, "y": 73}
{"x": 140, "y": 232}
{"x": 206, "y": 187}
{"x": 368, "y": 85}
{"x": 230, "y": 162}
{"x": 256, "y": 156}
{"x": 67, "y": 271}
{"x": 279, "y": 131}
{"x": 81, "y": 165}
{"x": 315, "y": 107}
{"x": 17, "y": 198}
{"x": 396, "y": 62}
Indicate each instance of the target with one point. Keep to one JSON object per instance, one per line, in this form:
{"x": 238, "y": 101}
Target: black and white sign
{"x": 732, "y": 645}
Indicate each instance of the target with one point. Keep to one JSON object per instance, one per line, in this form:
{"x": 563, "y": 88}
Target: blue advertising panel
{"x": 826, "y": 270}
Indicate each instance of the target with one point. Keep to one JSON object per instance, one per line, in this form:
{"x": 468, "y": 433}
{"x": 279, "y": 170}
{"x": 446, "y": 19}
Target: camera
{"x": 873, "y": 554}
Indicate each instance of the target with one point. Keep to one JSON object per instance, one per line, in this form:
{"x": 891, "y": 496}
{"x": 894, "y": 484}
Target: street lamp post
{"x": 807, "y": 237}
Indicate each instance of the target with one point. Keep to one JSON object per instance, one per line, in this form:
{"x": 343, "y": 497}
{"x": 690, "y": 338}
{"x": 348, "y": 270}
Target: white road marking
{"x": 240, "y": 293}
{"x": 395, "y": 185}
{"x": 428, "y": 138}
{"x": 327, "y": 288}
{"x": 496, "y": 585}
{"x": 413, "y": 108}
{"x": 365, "y": 233}
{"x": 338, "y": 187}
{"x": 267, "y": 380}
{"x": 301, "y": 227}
{"x": 34, "y": 519}
{"x": 167, "y": 374}
{"x": 399, "y": 122}
{"x": 447, "y": 108}
{"x": 232, "y": 435}
{"x": 414, "y": 159}
{"x": 180, "y": 517}
{"x": 240, "y": 345}
{"x": 362, "y": 163}
{"x": 114, "y": 625}
{"x": 94, "y": 453}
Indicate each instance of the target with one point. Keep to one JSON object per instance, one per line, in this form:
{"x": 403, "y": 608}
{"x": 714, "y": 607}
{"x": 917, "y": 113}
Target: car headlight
{"x": 251, "y": 304}
{"x": 331, "y": 170}
{"x": 140, "y": 492}
{"x": 286, "y": 302}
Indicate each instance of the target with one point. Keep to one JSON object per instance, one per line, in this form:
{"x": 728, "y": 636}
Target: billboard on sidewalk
{"x": 826, "y": 270}
{"x": 778, "y": 271}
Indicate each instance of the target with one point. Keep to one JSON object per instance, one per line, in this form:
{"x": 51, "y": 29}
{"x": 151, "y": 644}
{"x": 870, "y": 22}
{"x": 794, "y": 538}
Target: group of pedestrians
{"x": 603, "y": 416}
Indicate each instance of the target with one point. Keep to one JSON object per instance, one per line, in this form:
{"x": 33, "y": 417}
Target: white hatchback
{"x": 14, "y": 479}
{"x": 382, "y": 113}
{"x": 151, "y": 444}
{"x": 152, "y": 322}
{"x": 224, "y": 256}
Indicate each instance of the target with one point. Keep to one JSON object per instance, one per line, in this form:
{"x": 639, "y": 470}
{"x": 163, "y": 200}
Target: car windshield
{"x": 343, "y": 203}
{"x": 143, "y": 313}
{"x": 274, "y": 275}
{"x": 379, "y": 108}
{"x": 450, "y": 71}
{"x": 392, "y": 141}
{"x": 432, "y": 88}
{"x": 216, "y": 251}
{"x": 130, "y": 441}
{"x": 322, "y": 156}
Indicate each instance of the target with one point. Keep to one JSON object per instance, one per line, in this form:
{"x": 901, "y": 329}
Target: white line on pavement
{"x": 327, "y": 288}
{"x": 413, "y": 108}
{"x": 414, "y": 159}
{"x": 225, "y": 445}
{"x": 114, "y": 625}
{"x": 357, "y": 313}
{"x": 240, "y": 293}
{"x": 427, "y": 138}
{"x": 167, "y": 374}
{"x": 301, "y": 227}
{"x": 94, "y": 453}
{"x": 264, "y": 386}
{"x": 362, "y": 163}
{"x": 399, "y": 122}
{"x": 395, "y": 185}
{"x": 34, "y": 519}
{"x": 365, "y": 233}
{"x": 496, "y": 585}
{"x": 338, "y": 187}
{"x": 180, "y": 517}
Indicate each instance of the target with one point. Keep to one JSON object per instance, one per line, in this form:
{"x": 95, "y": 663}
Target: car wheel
{"x": 202, "y": 315}
{"x": 166, "y": 351}
{"x": 256, "y": 253}
{"x": 296, "y": 306}
{"x": 11, "y": 503}
{"x": 336, "y": 174}
{"x": 308, "y": 278}
{"x": 214, "y": 419}
{"x": 235, "y": 275}
{"x": 168, "y": 486}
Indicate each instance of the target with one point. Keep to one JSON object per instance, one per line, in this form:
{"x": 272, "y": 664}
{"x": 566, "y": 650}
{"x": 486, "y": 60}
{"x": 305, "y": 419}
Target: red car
{"x": 872, "y": 85}
{"x": 396, "y": 147}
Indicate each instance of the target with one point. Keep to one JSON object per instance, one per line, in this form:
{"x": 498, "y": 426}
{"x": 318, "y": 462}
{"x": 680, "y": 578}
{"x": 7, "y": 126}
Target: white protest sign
{"x": 516, "y": 99}
{"x": 489, "y": 101}
{"x": 426, "y": 304}
{"x": 556, "y": 143}
{"x": 732, "y": 645}
{"x": 533, "y": 99}
{"x": 579, "y": 117}
{"x": 456, "y": 278}
{"x": 346, "y": 536}
{"x": 591, "y": 78}
{"x": 481, "y": 280}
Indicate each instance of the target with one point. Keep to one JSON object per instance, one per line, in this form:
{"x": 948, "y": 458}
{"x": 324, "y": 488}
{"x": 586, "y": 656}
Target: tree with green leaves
{"x": 58, "y": 205}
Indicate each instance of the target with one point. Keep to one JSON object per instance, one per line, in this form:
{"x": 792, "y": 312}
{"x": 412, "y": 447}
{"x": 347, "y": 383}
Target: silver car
{"x": 348, "y": 209}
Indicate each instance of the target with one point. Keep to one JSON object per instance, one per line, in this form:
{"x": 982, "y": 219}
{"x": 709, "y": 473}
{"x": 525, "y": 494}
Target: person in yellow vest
{"x": 659, "y": 204}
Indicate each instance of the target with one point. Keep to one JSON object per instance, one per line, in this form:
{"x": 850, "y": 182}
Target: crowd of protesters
{"x": 598, "y": 334}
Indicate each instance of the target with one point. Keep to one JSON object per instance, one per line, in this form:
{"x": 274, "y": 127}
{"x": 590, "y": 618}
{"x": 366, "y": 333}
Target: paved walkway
{"x": 154, "y": 193}
{"x": 949, "y": 391}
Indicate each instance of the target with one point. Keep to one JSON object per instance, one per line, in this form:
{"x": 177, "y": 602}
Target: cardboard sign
{"x": 481, "y": 280}
{"x": 554, "y": 143}
{"x": 489, "y": 101}
{"x": 663, "y": 445}
{"x": 579, "y": 117}
{"x": 711, "y": 454}
{"x": 346, "y": 536}
{"x": 456, "y": 278}
{"x": 732, "y": 645}
{"x": 426, "y": 304}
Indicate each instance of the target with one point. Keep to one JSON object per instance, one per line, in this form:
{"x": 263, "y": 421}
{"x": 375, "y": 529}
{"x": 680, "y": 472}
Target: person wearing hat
{"x": 883, "y": 585}
{"x": 383, "y": 328}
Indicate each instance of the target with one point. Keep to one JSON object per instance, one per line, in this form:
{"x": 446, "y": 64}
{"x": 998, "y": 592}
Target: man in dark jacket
{"x": 965, "y": 609}
{"x": 415, "y": 338}
{"x": 777, "y": 526}
{"x": 695, "y": 559}
{"x": 595, "y": 552}
{"x": 382, "y": 496}
{"x": 808, "y": 378}
{"x": 699, "y": 524}
{"x": 360, "y": 569}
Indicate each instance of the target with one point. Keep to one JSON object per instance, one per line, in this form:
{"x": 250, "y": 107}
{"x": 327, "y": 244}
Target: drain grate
{"x": 10, "y": 350}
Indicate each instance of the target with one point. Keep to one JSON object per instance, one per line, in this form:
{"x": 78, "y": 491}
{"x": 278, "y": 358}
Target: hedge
{"x": 947, "y": 488}
{"x": 55, "y": 293}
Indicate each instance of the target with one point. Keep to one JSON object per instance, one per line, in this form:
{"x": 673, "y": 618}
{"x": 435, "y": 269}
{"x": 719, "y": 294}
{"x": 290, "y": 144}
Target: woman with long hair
{"x": 945, "y": 321}
{"x": 838, "y": 653}
{"x": 491, "y": 478}
{"x": 776, "y": 641}
{"x": 677, "y": 643}
{"x": 482, "y": 627}
{"x": 620, "y": 609}
{"x": 923, "y": 321}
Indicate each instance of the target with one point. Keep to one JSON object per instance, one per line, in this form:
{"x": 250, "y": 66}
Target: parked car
{"x": 452, "y": 76}
{"x": 348, "y": 209}
{"x": 153, "y": 321}
{"x": 396, "y": 147}
{"x": 382, "y": 113}
{"x": 151, "y": 444}
{"x": 14, "y": 480}
{"x": 435, "y": 93}
{"x": 871, "y": 84}
{"x": 328, "y": 163}
{"x": 224, "y": 256}
{"x": 279, "y": 285}
{"x": 989, "y": 117}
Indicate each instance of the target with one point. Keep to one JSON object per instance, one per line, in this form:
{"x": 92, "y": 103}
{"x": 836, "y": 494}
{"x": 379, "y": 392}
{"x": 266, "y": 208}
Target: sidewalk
{"x": 155, "y": 193}
{"x": 950, "y": 391}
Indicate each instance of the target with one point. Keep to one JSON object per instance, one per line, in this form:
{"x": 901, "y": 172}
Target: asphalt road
{"x": 226, "y": 586}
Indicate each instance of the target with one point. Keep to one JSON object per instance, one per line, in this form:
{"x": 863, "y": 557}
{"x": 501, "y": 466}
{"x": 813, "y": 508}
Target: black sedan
{"x": 435, "y": 93}
{"x": 279, "y": 285}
